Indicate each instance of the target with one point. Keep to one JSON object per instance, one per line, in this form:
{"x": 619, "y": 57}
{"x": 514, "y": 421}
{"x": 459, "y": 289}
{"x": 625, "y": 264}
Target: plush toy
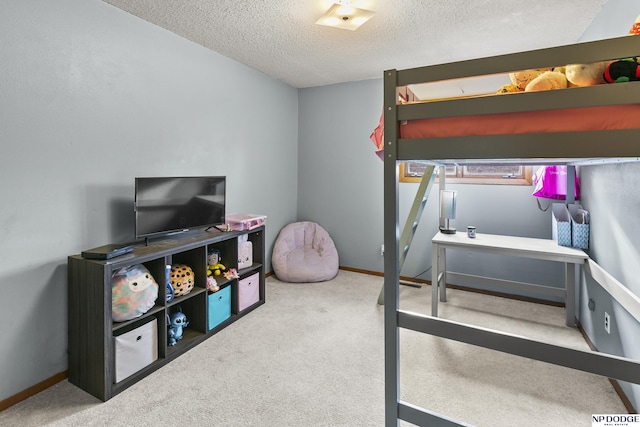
{"x": 520, "y": 79}
{"x": 576, "y": 75}
{"x": 635, "y": 28}
{"x": 177, "y": 322}
{"x": 535, "y": 80}
{"x": 212, "y": 285}
{"x": 182, "y": 279}
{"x": 508, "y": 88}
{"x": 547, "y": 81}
{"x": 232, "y": 273}
{"x": 624, "y": 70}
{"x": 586, "y": 74}
{"x": 215, "y": 266}
{"x": 216, "y": 269}
{"x": 133, "y": 292}
{"x": 214, "y": 256}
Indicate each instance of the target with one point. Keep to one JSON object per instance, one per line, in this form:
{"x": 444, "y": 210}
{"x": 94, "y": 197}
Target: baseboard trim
{"x": 32, "y": 391}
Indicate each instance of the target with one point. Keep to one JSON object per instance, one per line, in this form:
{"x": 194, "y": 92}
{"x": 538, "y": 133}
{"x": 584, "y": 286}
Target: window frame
{"x": 524, "y": 179}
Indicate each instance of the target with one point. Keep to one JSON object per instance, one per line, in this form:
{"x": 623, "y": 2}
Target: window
{"x": 480, "y": 174}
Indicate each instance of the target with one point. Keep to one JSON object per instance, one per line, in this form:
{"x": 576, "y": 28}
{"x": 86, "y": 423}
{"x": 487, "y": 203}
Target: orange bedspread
{"x": 545, "y": 121}
{"x": 566, "y": 120}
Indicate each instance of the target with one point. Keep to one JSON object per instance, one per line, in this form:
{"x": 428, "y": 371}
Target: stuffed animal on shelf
{"x": 624, "y": 70}
{"x": 215, "y": 266}
{"x": 232, "y": 273}
{"x": 133, "y": 292}
{"x": 216, "y": 269}
{"x": 176, "y": 324}
{"x": 182, "y": 279}
{"x": 212, "y": 285}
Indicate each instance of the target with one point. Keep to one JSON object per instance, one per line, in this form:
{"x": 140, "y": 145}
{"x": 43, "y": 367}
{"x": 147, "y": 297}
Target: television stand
{"x": 95, "y": 338}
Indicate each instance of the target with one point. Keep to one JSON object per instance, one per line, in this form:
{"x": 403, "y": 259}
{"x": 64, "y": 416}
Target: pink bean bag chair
{"x": 304, "y": 252}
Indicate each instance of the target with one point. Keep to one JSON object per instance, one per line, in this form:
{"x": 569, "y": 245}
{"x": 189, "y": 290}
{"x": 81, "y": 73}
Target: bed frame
{"x": 549, "y": 148}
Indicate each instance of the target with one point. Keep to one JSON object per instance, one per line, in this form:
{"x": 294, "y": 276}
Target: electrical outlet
{"x": 382, "y": 250}
{"x": 607, "y": 322}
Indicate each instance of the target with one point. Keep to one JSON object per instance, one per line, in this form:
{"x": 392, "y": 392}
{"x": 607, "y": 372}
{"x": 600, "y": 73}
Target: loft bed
{"x": 575, "y": 144}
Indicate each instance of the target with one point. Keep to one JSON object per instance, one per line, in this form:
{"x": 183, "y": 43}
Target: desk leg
{"x": 435, "y": 272}
{"x": 442, "y": 256}
{"x": 570, "y": 303}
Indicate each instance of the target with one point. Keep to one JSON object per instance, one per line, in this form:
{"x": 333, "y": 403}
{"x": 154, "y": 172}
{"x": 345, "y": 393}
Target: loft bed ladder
{"x": 413, "y": 219}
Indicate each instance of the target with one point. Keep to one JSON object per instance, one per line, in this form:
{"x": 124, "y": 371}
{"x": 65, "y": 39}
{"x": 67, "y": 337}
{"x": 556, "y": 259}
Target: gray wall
{"x": 341, "y": 188}
{"x": 91, "y": 98}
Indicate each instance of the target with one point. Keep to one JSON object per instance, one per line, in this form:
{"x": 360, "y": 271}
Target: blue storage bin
{"x": 219, "y": 307}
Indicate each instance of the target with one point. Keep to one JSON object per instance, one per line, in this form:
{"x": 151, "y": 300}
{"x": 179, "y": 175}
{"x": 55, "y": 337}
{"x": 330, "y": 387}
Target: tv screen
{"x": 169, "y": 204}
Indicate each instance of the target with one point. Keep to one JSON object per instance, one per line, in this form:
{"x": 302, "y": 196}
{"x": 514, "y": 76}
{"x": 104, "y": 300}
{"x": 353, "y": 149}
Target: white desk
{"x": 505, "y": 245}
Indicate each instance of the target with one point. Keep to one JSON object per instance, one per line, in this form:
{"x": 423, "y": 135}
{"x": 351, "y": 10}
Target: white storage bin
{"x": 136, "y": 349}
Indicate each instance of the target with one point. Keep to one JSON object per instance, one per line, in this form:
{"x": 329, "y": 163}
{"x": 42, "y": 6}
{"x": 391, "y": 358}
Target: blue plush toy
{"x": 177, "y": 323}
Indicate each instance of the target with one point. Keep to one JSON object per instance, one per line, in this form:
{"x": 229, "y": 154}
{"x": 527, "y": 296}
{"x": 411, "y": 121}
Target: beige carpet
{"x": 313, "y": 355}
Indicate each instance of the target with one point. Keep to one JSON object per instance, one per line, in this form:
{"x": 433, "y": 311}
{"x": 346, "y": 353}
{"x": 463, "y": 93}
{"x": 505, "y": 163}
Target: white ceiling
{"x": 280, "y": 37}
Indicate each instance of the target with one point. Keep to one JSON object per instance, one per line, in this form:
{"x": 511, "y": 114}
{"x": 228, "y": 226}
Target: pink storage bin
{"x": 248, "y": 291}
{"x": 241, "y": 222}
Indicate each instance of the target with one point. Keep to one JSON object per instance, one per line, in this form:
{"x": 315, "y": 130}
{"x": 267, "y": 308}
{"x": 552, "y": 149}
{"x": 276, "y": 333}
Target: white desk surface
{"x": 513, "y": 245}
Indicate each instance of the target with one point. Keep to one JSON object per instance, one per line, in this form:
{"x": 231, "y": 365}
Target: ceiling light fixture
{"x": 343, "y": 15}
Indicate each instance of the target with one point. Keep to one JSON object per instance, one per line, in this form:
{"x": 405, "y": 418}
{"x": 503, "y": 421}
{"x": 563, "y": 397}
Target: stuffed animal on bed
{"x": 635, "y": 28}
{"x": 624, "y": 70}
{"x": 535, "y": 80}
{"x": 182, "y": 279}
{"x": 520, "y": 79}
{"x": 598, "y": 73}
{"x": 586, "y": 74}
{"x": 133, "y": 292}
{"x": 548, "y": 80}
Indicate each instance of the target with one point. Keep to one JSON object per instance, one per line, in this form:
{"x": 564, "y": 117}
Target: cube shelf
{"x": 105, "y": 356}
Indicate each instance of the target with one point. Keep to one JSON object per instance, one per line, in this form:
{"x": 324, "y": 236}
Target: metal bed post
{"x": 392, "y": 258}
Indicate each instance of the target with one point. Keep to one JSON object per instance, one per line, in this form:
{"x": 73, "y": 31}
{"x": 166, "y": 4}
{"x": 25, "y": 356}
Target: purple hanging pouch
{"x": 550, "y": 182}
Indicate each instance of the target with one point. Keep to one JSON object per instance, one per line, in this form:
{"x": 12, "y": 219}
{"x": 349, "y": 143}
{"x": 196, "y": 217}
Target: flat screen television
{"x": 165, "y": 205}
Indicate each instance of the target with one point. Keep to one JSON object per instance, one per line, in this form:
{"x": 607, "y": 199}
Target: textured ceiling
{"x": 280, "y": 37}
